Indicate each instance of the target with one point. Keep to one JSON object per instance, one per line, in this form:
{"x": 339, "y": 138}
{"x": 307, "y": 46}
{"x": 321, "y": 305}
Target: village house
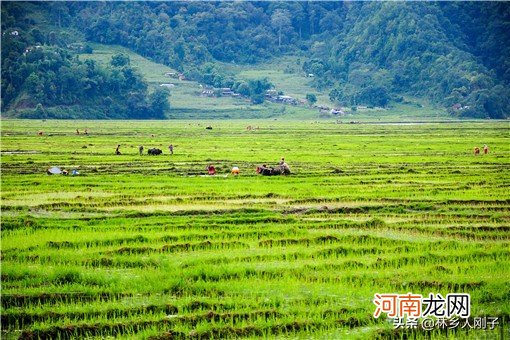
{"x": 176, "y": 75}
{"x": 286, "y": 99}
{"x": 337, "y": 111}
{"x": 322, "y": 107}
{"x": 227, "y": 91}
{"x": 167, "y": 85}
{"x": 271, "y": 93}
{"x": 217, "y": 92}
{"x": 79, "y": 47}
{"x": 459, "y": 107}
{"x": 208, "y": 93}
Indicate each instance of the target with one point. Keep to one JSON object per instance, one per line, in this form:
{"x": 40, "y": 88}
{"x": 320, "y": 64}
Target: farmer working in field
{"x": 117, "y": 151}
{"x": 284, "y": 165}
{"x": 140, "y": 149}
{"x": 211, "y": 170}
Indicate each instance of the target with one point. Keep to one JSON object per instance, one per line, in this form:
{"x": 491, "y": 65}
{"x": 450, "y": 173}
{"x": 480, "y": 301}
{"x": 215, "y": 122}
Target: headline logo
{"x": 435, "y": 311}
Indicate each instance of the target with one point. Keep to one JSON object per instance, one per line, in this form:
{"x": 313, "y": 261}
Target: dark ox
{"x": 279, "y": 170}
{"x": 154, "y": 151}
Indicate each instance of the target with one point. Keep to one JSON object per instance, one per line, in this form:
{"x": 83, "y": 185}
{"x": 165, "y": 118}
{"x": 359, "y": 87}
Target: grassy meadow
{"x": 149, "y": 247}
{"x": 185, "y": 97}
{"x": 286, "y": 75}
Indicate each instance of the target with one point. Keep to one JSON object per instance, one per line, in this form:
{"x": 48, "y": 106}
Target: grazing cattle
{"x": 154, "y": 152}
{"x": 476, "y": 150}
{"x": 209, "y": 128}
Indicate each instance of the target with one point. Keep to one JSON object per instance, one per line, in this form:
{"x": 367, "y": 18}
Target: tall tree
{"x": 280, "y": 20}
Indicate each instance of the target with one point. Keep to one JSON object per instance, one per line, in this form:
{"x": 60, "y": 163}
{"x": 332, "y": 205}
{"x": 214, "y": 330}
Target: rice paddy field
{"x": 149, "y": 247}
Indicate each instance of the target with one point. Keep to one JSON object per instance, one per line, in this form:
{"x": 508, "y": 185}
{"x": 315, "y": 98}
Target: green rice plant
{"x": 139, "y": 246}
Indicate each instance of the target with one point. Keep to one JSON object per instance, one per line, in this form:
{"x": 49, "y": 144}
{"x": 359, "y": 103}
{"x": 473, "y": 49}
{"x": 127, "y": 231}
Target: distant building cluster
{"x": 270, "y": 95}
{"x": 176, "y": 75}
{"x": 219, "y": 92}
{"x": 459, "y": 107}
{"x": 273, "y": 96}
{"x": 327, "y": 110}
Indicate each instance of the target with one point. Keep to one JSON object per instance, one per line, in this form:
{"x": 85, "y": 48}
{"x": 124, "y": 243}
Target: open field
{"x": 147, "y": 247}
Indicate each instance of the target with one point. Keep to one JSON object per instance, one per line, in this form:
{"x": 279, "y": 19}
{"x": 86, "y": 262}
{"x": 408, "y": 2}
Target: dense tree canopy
{"x": 428, "y": 50}
{"x": 453, "y": 53}
{"x": 41, "y": 71}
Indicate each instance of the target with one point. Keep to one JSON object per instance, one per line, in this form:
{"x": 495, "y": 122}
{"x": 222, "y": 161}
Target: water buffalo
{"x": 278, "y": 170}
{"x": 154, "y": 151}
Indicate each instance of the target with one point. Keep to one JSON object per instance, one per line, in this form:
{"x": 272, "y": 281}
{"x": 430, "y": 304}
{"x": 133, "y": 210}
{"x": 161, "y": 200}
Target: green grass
{"x": 285, "y": 73}
{"x": 185, "y": 98}
{"x": 153, "y": 73}
{"x": 146, "y": 246}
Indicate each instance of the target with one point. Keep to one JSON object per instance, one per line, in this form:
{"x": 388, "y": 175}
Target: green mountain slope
{"x": 284, "y": 72}
{"x": 422, "y": 50}
{"x": 42, "y": 77}
{"x": 454, "y": 55}
{"x": 186, "y": 96}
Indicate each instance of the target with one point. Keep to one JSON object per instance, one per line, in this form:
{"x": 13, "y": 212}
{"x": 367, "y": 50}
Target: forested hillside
{"x": 456, "y": 54}
{"x": 42, "y": 77}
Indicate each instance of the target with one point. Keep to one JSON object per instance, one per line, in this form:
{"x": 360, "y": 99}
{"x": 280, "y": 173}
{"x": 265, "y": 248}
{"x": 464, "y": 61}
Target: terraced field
{"x": 149, "y": 247}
